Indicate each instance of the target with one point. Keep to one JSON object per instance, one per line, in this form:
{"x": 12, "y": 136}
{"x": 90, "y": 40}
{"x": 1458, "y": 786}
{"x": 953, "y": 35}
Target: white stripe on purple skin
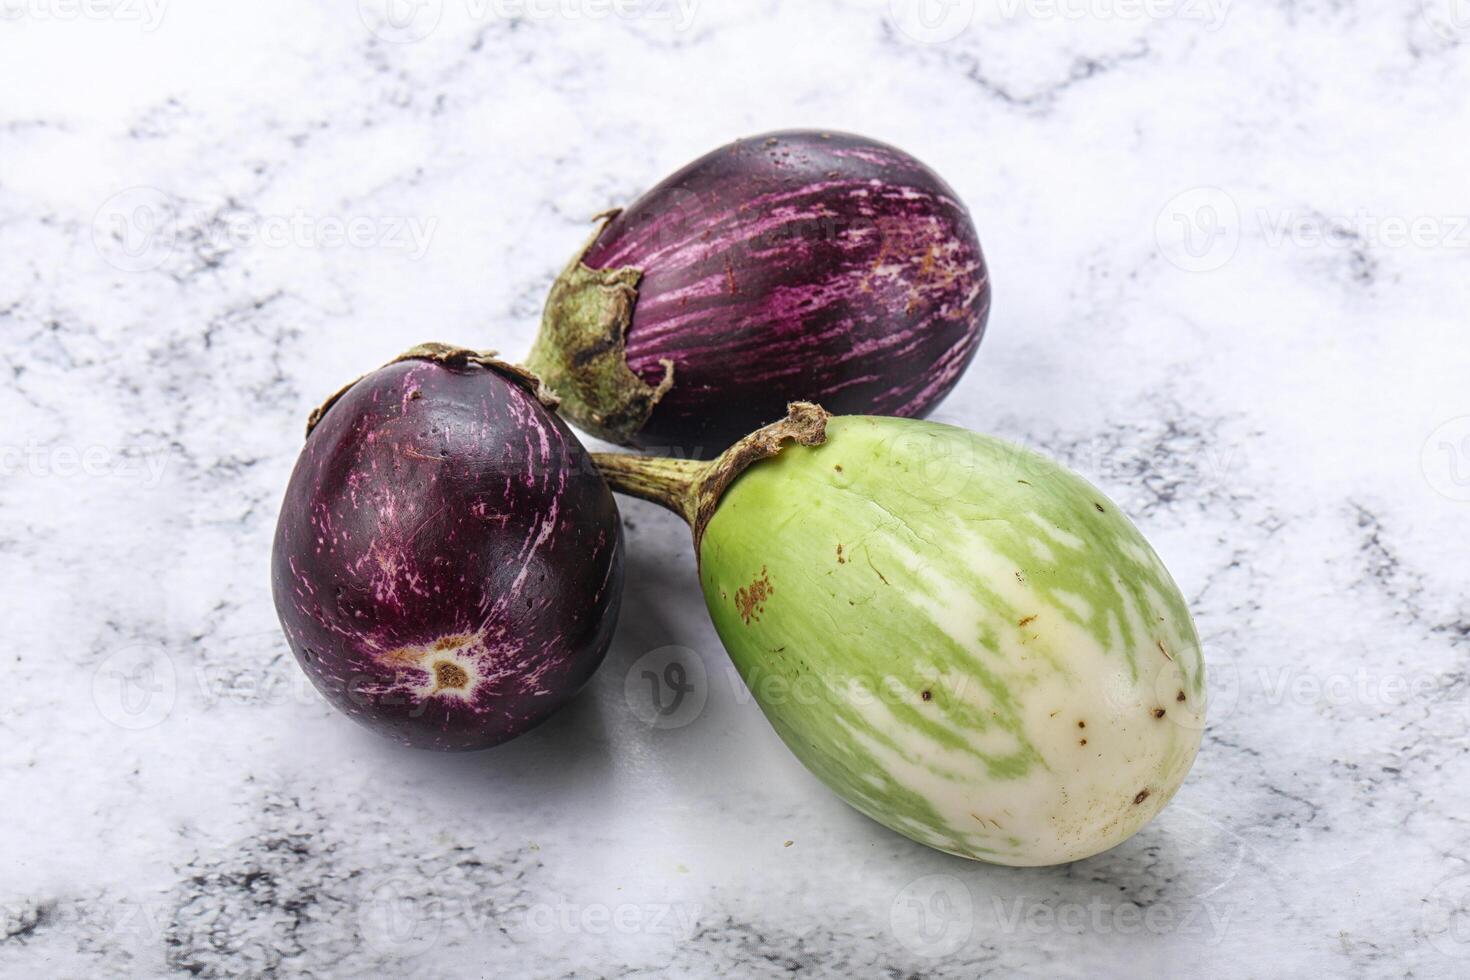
{"x": 448, "y": 566}
{"x": 797, "y": 266}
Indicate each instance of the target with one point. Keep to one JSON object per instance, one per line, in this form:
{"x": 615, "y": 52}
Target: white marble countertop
{"x": 1231, "y": 258}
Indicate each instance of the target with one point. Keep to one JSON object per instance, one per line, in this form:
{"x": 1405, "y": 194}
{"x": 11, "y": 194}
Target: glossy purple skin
{"x": 798, "y": 265}
{"x": 441, "y": 515}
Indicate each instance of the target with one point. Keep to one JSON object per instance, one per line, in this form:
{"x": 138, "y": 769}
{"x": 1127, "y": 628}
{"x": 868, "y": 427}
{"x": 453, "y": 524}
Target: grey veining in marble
{"x": 1230, "y": 244}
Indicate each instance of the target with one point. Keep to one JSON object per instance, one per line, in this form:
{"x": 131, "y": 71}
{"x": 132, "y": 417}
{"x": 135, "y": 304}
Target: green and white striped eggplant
{"x": 964, "y": 640}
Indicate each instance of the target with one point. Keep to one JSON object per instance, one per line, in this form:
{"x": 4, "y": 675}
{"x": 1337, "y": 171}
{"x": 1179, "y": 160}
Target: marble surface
{"x": 1231, "y": 260}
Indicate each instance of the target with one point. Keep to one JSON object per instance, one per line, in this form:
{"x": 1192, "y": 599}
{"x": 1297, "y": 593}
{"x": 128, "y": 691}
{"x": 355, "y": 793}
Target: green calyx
{"x": 581, "y": 351}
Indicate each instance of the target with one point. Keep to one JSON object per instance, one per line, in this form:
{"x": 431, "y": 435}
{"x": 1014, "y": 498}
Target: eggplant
{"x": 965, "y": 641}
{"x": 448, "y": 564}
{"x": 798, "y": 265}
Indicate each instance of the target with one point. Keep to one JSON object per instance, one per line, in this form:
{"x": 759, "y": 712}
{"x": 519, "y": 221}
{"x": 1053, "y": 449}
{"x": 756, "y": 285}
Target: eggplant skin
{"x": 800, "y": 265}
{"x": 448, "y": 564}
{"x": 963, "y": 639}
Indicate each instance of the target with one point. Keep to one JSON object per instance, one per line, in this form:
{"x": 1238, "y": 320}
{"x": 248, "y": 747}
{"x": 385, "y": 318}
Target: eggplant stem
{"x": 693, "y": 489}
{"x": 669, "y": 483}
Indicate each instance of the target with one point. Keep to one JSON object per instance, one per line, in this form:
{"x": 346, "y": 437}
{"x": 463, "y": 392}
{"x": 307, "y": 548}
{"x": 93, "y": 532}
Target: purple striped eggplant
{"x": 448, "y": 564}
{"x": 797, "y": 265}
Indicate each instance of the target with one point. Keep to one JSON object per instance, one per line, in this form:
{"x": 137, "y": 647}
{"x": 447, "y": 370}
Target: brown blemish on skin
{"x": 415, "y": 395}
{"x": 927, "y": 696}
{"x": 450, "y": 677}
{"x": 1082, "y": 724}
{"x": 1142, "y": 795}
{"x": 415, "y": 656}
{"x": 750, "y": 601}
{"x": 1180, "y": 696}
{"x": 1100, "y": 508}
{"x": 838, "y": 467}
{"x": 1083, "y": 742}
{"x": 403, "y": 657}
{"x": 1027, "y": 621}
{"x": 1158, "y": 712}
{"x": 1020, "y": 577}
{"x": 840, "y": 560}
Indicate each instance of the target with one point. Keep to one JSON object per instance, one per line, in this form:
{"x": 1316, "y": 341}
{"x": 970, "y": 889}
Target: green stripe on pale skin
{"x": 1014, "y": 593}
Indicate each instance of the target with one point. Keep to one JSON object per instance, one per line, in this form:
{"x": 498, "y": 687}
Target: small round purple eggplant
{"x": 793, "y": 266}
{"x": 448, "y": 564}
